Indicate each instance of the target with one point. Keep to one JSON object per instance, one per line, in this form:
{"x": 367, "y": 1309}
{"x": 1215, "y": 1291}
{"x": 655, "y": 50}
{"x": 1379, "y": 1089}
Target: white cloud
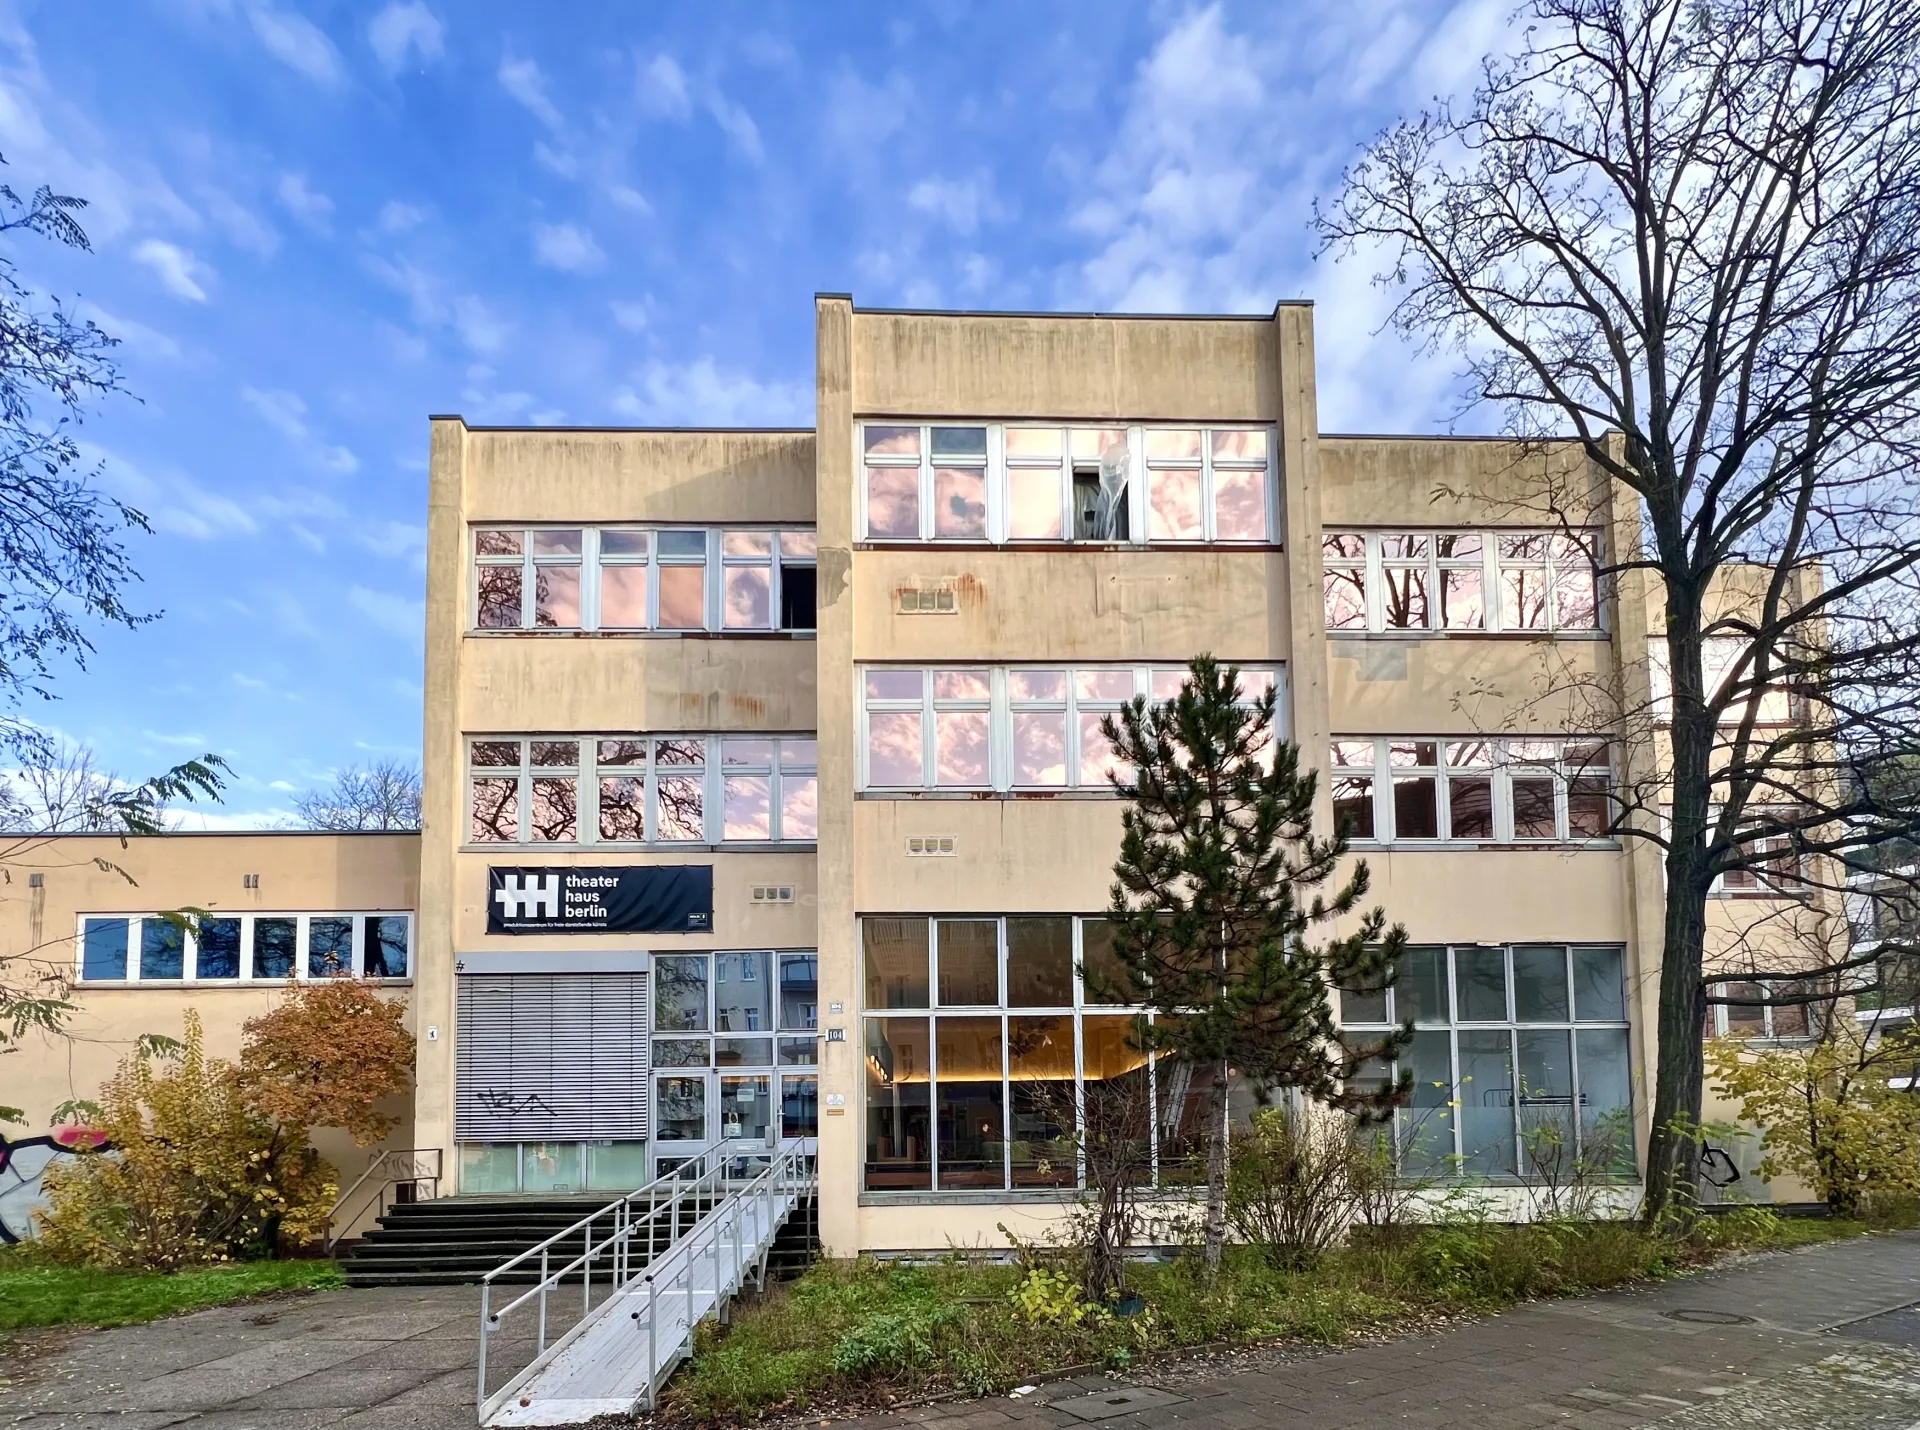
{"x": 394, "y": 539}
{"x": 402, "y": 616}
{"x": 297, "y": 43}
{"x": 179, "y": 272}
{"x": 286, "y": 413}
{"x": 661, "y": 86}
{"x": 178, "y": 741}
{"x": 961, "y": 204}
{"x": 238, "y": 224}
{"x": 630, "y": 198}
{"x": 631, "y": 316}
{"x": 742, "y": 133}
{"x": 136, "y": 337}
{"x": 480, "y": 328}
{"x": 396, "y": 217}
{"x": 565, "y": 246}
{"x": 308, "y": 205}
{"x": 406, "y": 27}
{"x": 523, "y": 81}
{"x": 700, "y": 392}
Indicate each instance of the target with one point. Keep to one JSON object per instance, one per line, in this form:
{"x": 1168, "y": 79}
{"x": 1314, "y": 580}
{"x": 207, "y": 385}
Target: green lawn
{"x": 33, "y": 1293}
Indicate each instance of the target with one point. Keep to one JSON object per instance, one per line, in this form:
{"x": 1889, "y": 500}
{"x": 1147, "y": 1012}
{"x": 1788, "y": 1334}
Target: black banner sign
{"x": 654, "y": 898}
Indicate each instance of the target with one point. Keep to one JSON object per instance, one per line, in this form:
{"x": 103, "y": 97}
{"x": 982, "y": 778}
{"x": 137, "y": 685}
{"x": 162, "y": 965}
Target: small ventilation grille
{"x": 772, "y": 894}
{"x": 926, "y": 601}
{"x": 924, "y": 844}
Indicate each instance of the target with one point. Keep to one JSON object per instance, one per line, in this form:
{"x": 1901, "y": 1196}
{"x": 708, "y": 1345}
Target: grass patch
{"x": 34, "y": 1292}
{"x": 859, "y": 1333}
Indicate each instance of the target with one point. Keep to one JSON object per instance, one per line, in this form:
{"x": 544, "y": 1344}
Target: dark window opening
{"x": 1099, "y": 509}
{"x": 797, "y": 594}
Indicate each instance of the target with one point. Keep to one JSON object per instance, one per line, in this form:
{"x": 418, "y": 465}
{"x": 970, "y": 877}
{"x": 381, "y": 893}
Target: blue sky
{"x": 316, "y": 221}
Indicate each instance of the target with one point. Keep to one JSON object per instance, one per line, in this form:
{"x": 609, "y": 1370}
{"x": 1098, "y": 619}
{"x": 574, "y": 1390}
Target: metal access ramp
{"x": 666, "y": 1257}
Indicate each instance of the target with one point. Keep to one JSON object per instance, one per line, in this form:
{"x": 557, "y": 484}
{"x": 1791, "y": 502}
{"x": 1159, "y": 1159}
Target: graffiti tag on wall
{"x": 22, "y": 1163}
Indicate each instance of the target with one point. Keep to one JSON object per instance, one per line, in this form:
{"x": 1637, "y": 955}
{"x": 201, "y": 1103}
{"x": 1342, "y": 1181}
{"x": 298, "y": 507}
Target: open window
{"x": 1100, "y": 466}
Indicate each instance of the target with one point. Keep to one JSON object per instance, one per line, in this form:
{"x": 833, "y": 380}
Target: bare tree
{"x": 1685, "y": 235}
{"x": 59, "y": 788}
{"x": 382, "y": 795}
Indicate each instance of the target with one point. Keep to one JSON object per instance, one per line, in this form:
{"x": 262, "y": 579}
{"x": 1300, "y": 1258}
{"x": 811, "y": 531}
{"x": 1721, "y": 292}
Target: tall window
{"x": 641, "y": 789}
{"x": 1726, "y": 674}
{"x": 1017, "y": 482}
{"x": 1460, "y": 581}
{"x": 1402, "y": 790}
{"x": 242, "y": 948}
{"x": 1010, "y": 729}
{"x": 1519, "y": 1056}
{"x": 643, "y": 579}
{"x": 1754, "y": 1019}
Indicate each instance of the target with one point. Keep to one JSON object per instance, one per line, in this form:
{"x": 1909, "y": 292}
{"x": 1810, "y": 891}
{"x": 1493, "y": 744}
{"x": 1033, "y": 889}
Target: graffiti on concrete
{"x": 21, "y": 1164}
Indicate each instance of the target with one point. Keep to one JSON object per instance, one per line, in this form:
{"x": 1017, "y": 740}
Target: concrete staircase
{"x": 452, "y": 1241}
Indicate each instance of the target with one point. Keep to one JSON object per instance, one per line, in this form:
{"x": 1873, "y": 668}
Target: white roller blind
{"x": 551, "y": 1056}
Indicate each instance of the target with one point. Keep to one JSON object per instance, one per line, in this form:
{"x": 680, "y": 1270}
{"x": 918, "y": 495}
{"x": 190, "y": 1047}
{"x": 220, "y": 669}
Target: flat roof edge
{"x": 611, "y": 427}
{"x": 50, "y": 835}
{"x": 1120, "y": 317}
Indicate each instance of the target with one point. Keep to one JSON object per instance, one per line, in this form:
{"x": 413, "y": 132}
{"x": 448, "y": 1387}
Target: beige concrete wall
{"x": 1014, "y": 605}
{"x": 999, "y": 365}
{"x": 527, "y": 683}
{"x": 1453, "y": 481}
{"x": 546, "y": 474}
{"x": 1465, "y": 684}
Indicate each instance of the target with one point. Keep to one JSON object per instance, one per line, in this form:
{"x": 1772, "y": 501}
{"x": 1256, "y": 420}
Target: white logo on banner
{"x": 517, "y": 891}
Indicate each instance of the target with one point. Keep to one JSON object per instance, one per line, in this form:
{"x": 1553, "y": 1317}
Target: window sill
{"x": 986, "y": 794}
{"x": 201, "y": 985}
{"x": 758, "y": 846}
{"x": 1400, "y": 636}
{"x": 1462, "y": 846}
{"x": 908, "y": 544}
{"x": 522, "y": 631}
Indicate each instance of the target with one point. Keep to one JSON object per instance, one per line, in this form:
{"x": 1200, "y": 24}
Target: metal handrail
{"x": 664, "y": 1197}
{"x": 415, "y": 1159}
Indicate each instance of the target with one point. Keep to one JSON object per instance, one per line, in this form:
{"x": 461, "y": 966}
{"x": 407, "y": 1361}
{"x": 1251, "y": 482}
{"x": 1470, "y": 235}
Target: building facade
{"x": 765, "y": 797}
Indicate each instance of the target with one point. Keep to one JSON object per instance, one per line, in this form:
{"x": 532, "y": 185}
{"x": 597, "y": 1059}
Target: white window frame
{"x": 588, "y": 772}
{"x": 999, "y": 706}
{"x": 1139, "y": 477}
{"x": 190, "y": 949}
{"x": 1492, "y": 601}
{"x": 1509, "y": 757}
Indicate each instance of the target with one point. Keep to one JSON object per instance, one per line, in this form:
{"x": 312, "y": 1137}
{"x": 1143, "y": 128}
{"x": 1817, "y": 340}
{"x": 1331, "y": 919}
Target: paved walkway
{"x": 1822, "y": 1339}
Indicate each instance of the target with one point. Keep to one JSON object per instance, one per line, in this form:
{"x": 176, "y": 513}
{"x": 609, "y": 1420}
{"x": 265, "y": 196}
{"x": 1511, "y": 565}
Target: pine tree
{"x": 1214, "y": 905}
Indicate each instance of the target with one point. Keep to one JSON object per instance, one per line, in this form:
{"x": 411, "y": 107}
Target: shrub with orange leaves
{"x": 327, "y": 1056}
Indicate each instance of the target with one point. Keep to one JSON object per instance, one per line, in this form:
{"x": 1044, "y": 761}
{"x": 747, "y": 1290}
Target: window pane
{"x": 1172, "y": 445}
{"x": 1173, "y": 506}
{"x": 1097, "y": 758}
{"x": 1033, "y": 503}
{"x": 1606, "y": 1096}
{"x": 893, "y": 502}
{"x": 329, "y": 947}
{"x": 685, "y": 543}
{"x": 1480, "y": 980}
{"x": 621, "y": 803}
{"x": 1039, "y": 963}
{"x": 1036, "y": 685}
{"x": 1118, "y": 1102}
{"x": 1790, "y": 1020}
{"x": 1040, "y": 1066}
{"x": 1540, "y": 984}
{"x": 1090, "y": 444}
{"x": 1113, "y": 685}
{"x": 1420, "y": 993}
{"x": 1240, "y": 446}
{"x": 496, "y": 811}
{"x": 1599, "y": 989}
{"x": 749, "y": 598}
{"x": 683, "y": 598}
{"x": 1589, "y": 810}
{"x": 623, "y": 597}
{"x": 799, "y": 991}
{"x": 799, "y": 807}
{"x": 893, "y": 749}
{"x": 1746, "y": 1019}
{"x": 899, "y": 1131}
{"x": 1104, "y": 975}
{"x": 501, "y": 754}
{"x": 680, "y": 1109}
{"x": 682, "y": 808}
{"x": 622, "y": 752}
{"x": 959, "y": 442}
{"x": 1415, "y": 807}
{"x": 1426, "y": 1123}
{"x": 499, "y": 598}
{"x": 1239, "y": 505}
{"x": 496, "y": 543}
{"x": 1040, "y": 747}
{"x": 556, "y": 543}
{"x": 680, "y": 993}
{"x": 217, "y": 944}
{"x": 1462, "y": 606}
{"x": 894, "y": 685}
{"x": 799, "y": 754}
{"x": 799, "y": 1106}
{"x": 103, "y": 949}
{"x": 893, "y": 441}
{"x": 1353, "y": 805}
{"x": 968, "y": 1110}
{"x": 1363, "y": 1006}
{"x": 1033, "y": 442}
{"x": 1575, "y": 606}
{"x": 383, "y": 941}
{"x": 748, "y": 811}
{"x": 489, "y": 1168}
{"x": 623, "y": 543}
{"x": 746, "y": 543}
{"x": 1486, "y": 1102}
{"x": 1470, "y": 806}
{"x": 554, "y": 817}
{"x": 1405, "y": 602}
{"x": 1533, "y": 807}
{"x": 896, "y": 951}
{"x": 743, "y": 995}
{"x": 555, "y": 754}
{"x": 683, "y": 1052}
{"x": 751, "y": 754}
{"x": 679, "y": 752}
{"x": 1523, "y": 603}
{"x": 1547, "y": 1138}
{"x": 550, "y": 1166}
{"x": 556, "y": 597}
{"x": 799, "y": 545}
{"x": 960, "y": 747}
{"x": 274, "y": 947}
{"x": 799, "y": 1052}
{"x": 1346, "y": 599}
{"x": 960, "y": 502}
{"x": 968, "y": 954}
{"x": 962, "y": 685}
